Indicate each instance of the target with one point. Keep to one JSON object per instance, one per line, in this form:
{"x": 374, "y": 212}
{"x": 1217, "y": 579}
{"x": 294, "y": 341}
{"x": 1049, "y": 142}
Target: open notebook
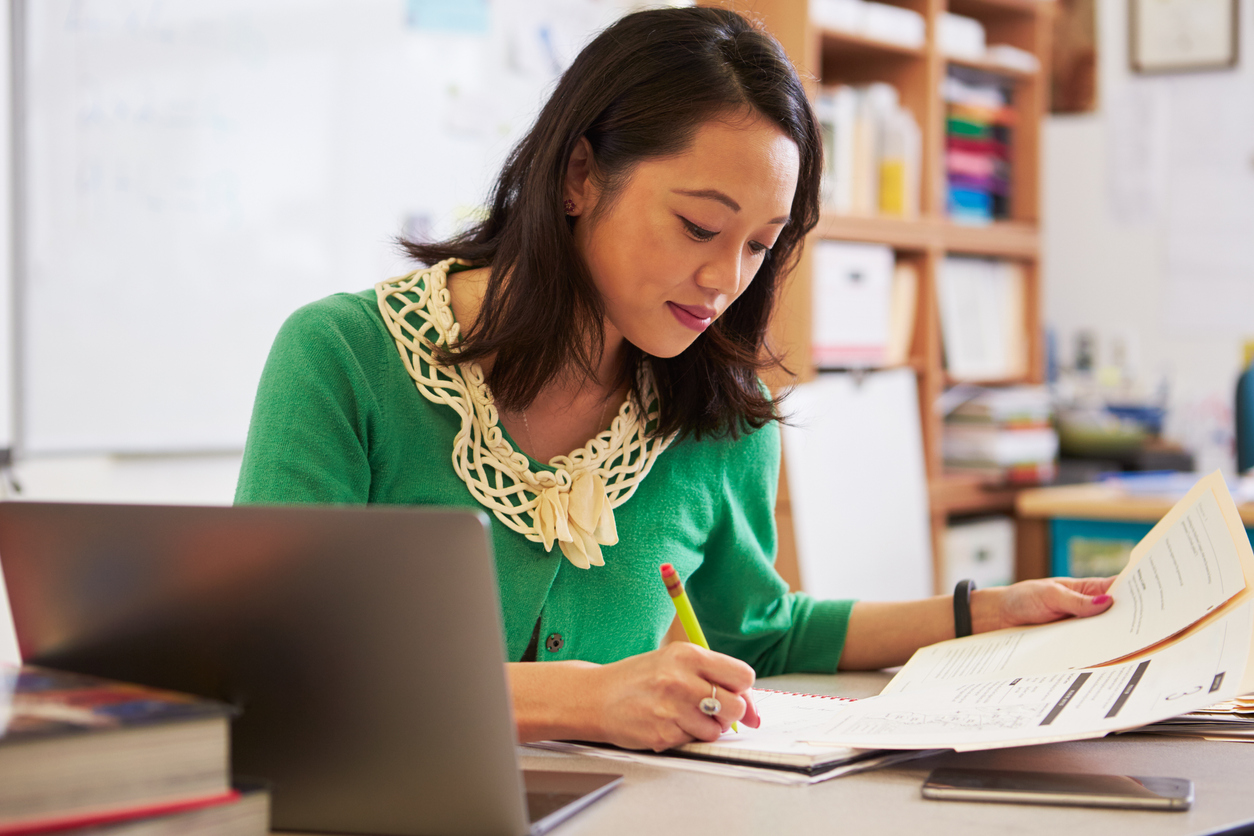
{"x": 782, "y": 745}
{"x": 789, "y": 722}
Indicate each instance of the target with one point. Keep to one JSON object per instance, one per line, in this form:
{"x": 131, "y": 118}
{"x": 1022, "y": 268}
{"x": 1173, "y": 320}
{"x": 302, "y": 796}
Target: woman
{"x": 626, "y": 270}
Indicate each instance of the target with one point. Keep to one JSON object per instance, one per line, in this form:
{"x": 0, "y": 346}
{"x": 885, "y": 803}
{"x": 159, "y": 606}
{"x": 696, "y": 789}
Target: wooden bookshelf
{"x": 827, "y": 57}
{"x": 845, "y": 48}
{"x": 1009, "y": 74}
{"x": 1004, "y": 239}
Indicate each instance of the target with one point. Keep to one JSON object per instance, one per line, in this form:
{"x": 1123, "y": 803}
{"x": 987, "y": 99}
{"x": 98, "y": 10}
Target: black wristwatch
{"x": 962, "y": 607}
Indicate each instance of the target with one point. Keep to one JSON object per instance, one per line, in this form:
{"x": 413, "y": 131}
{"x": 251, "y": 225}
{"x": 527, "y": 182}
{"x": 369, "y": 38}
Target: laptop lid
{"x": 363, "y": 645}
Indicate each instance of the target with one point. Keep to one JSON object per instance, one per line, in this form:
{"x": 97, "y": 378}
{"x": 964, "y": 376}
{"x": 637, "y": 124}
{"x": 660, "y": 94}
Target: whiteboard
{"x": 8, "y": 336}
{"x": 856, "y": 481}
{"x": 198, "y": 169}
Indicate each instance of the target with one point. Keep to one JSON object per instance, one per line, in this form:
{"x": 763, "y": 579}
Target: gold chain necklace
{"x": 605, "y": 411}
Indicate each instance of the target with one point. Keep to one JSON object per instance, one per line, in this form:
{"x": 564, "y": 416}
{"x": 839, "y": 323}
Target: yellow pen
{"x": 687, "y": 616}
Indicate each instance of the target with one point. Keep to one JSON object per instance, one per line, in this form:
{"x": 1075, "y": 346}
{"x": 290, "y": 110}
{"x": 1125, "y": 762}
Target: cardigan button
{"x": 554, "y": 642}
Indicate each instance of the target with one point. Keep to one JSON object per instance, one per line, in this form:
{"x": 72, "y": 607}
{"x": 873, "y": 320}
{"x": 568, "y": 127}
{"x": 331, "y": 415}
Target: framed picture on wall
{"x": 1182, "y": 35}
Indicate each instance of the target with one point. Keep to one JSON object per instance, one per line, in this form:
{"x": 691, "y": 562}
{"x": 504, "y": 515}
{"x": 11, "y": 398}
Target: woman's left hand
{"x": 1038, "y": 602}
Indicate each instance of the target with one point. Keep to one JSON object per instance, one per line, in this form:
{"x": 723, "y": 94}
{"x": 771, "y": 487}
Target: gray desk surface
{"x": 887, "y": 801}
{"x": 660, "y": 802}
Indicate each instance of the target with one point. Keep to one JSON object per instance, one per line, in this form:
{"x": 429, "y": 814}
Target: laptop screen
{"x": 362, "y": 645}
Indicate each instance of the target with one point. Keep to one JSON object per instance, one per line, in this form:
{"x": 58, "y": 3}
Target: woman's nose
{"x": 722, "y": 273}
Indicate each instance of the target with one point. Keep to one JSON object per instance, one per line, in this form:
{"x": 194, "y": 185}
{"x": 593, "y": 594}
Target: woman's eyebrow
{"x": 715, "y": 194}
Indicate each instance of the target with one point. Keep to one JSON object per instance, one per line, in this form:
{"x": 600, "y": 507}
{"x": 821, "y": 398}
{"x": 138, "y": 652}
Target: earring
{"x": 569, "y": 206}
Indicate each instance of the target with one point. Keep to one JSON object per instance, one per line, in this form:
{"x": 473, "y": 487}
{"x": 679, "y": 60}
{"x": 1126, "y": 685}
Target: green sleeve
{"x": 745, "y": 607}
{"x": 310, "y": 434}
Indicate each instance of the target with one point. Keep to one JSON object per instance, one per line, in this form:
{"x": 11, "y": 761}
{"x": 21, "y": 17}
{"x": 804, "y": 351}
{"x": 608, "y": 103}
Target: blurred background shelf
{"x": 827, "y": 57}
{"x": 1007, "y": 239}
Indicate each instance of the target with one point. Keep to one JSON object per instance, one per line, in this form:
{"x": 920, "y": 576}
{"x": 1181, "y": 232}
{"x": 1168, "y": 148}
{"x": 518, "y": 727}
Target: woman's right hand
{"x": 651, "y": 701}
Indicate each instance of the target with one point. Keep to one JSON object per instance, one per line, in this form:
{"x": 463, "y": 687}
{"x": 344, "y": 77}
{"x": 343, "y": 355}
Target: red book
{"x": 55, "y": 823}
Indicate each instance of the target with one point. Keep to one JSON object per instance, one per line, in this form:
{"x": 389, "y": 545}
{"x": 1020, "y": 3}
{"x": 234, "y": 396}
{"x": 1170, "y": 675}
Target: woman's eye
{"x": 756, "y": 248}
{"x": 698, "y": 232}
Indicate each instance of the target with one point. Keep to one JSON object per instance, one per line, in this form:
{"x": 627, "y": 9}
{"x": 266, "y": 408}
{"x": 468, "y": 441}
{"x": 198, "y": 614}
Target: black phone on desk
{"x": 1070, "y": 789}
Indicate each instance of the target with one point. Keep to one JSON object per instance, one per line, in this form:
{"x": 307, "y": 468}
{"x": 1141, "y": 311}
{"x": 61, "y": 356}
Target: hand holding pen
{"x": 711, "y": 705}
{"x": 653, "y": 700}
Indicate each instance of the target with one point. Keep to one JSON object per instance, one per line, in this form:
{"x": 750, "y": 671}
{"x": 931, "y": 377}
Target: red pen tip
{"x": 667, "y": 569}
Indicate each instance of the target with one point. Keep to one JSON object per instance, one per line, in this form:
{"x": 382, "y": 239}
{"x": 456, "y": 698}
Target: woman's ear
{"x": 579, "y": 190}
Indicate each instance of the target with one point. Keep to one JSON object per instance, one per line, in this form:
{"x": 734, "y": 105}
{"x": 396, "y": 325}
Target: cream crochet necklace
{"x": 572, "y": 505}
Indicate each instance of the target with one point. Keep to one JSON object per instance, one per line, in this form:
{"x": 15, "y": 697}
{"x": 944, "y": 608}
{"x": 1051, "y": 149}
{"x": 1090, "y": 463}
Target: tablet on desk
{"x": 362, "y": 645}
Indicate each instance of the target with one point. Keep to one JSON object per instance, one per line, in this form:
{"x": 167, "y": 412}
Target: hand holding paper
{"x": 1177, "y": 638}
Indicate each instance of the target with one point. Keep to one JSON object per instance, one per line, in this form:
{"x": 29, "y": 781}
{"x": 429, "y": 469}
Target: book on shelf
{"x": 853, "y": 284}
{"x": 872, "y": 151}
{"x": 983, "y": 318}
{"x": 1017, "y": 473}
{"x": 979, "y": 121}
{"x": 1002, "y": 434}
{"x": 78, "y": 749}
{"x": 901, "y": 313}
{"x": 1007, "y": 406}
{"x": 1014, "y": 455}
{"x": 863, "y": 306}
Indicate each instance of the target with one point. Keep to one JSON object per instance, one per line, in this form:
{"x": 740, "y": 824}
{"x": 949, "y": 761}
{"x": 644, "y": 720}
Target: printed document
{"x": 1202, "y": 669}
{"x": 1192, "y": 566}
{"x": 1176, "y": 639}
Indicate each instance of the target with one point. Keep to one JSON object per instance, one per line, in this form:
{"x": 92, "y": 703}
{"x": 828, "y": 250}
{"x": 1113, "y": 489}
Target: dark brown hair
{"x": 641, "y": 89}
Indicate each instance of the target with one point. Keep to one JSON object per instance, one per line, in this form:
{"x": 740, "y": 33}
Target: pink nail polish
{"x": 1101, "y": 599}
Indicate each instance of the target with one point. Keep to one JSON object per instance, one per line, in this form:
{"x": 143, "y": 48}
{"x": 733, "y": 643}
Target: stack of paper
{"x": 965, "y": 38}
{"x": 876, "y": 21}
{"x": 1231, "y": 720}
{"x": 961, "y": 37}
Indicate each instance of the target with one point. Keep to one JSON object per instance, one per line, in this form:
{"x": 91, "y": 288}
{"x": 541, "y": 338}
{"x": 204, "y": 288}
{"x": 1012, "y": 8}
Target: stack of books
{"x": 1004, "y": 435}
{"x": 978, "y": 125}
{"x": 80, "y": 755}
{"x": 871, "y": 150}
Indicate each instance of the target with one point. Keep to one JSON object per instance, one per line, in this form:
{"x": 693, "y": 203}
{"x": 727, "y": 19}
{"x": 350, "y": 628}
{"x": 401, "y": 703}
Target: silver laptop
{"x": 362, "y": 646}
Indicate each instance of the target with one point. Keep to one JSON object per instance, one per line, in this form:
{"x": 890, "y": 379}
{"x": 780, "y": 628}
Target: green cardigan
{"x": 338, "y": 420}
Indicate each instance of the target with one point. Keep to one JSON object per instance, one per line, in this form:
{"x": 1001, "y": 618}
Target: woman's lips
{"x": 696, "y": 317}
